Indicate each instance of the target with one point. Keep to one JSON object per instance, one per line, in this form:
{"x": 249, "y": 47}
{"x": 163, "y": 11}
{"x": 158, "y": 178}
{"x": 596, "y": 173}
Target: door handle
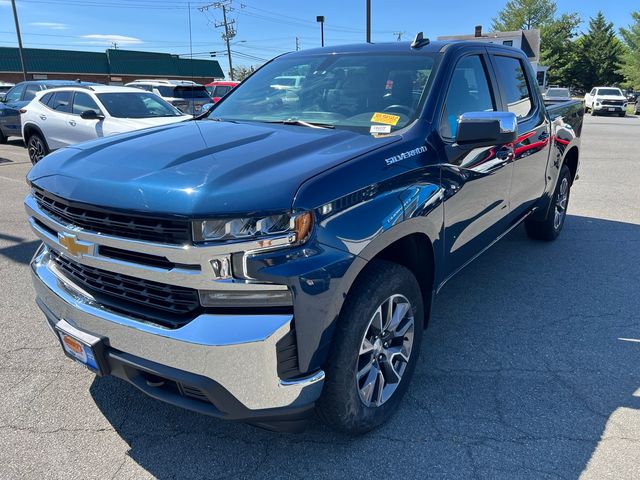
{"x": 72, "y": 123}
{"x": 505, "y": 153}
{"x": 43, "y": 117}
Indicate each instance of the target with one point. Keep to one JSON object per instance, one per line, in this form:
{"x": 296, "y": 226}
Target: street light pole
{"x": 15, "y": 18}
{"x": 368, "y": 21}
{"x": 320, "y": 20}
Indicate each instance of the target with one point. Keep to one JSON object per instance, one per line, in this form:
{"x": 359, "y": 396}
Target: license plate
{"x": 80, "y": 346}
{"x": 612, "y": 109}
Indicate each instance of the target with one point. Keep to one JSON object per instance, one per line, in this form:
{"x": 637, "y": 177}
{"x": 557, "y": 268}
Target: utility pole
{"x": 320, "y": 20}
{"x": 15, "y": 18}
{"x": 368, "y": 21}
{"x": 297, "y": 44}
{"x": 229, "y": 29}
{"x": 398, "y": 36}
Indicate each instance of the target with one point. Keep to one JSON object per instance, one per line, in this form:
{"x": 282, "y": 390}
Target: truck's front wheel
{"x": 375, "y": 350}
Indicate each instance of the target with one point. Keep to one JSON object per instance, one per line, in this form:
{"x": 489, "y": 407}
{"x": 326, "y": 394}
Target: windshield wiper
{"x": 302, "y": 123}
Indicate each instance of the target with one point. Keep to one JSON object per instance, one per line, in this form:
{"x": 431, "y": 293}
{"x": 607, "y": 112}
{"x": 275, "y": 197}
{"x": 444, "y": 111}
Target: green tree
{"x": 600, "y": 55}
{"x": 630, "y": 60}
{"x": 558, "y": 50}
{"x": 524, "y": 15}
{"x": 240, "y": 73}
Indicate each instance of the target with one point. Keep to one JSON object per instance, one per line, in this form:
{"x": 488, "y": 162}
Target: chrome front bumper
{"x": 236, "y": 351}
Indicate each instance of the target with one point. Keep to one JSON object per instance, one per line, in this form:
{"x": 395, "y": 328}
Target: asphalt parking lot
{"x": 529, "y": 369}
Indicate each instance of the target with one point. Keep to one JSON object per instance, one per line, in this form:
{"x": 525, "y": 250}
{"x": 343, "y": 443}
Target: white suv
{"x": 189, "y": 97}
{"x": 606, "y": 100}
{"x": 65, "y": 116}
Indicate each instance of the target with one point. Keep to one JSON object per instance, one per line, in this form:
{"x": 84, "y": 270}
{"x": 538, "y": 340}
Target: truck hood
{"x": 610, "y": 97}
{"x": 199, "y": 168}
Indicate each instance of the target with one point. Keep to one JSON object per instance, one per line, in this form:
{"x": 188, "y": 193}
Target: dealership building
{"x": 114, "y": 67}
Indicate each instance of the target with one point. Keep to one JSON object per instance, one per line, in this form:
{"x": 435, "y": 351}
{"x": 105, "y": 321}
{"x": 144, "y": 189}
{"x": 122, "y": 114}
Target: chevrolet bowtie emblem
{"x": 74, "y": 246}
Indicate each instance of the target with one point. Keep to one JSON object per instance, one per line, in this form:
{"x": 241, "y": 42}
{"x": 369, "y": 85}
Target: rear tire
{"x": 373, "y": 358}
{"x": 3, "y": 139}
{"x": 549, "y": 228}
{"x": 622, "y": 114}
{"x": 37, "y": 148}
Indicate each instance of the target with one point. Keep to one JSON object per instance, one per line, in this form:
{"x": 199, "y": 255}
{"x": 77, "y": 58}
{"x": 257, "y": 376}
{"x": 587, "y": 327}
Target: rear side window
{"x": 45, "y": 99}
{"x": 83, "y": 102}
{"x": 14, "y": 94}
{"x": 30, "y": 91}
{"x": 61, "y": 102}
{"x": 221, "y": 90}
{"x": 468, "y": 92}
{"x": 513, "y": 83}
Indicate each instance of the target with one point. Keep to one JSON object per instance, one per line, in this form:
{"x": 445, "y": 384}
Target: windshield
{"x": 183, "y": 92}
{"x": 137, "y": 105}
{"x": 558, "y": 92}
{"x": 610, "y": 91}
{"x": 374, "y": 93}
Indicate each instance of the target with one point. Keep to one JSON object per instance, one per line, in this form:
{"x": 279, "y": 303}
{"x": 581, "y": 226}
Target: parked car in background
{"x": 636, "y": 108}
{"x": 65, "y": 116}
{"x": 5, "y": 87}
{"x": 17, "y": 97}
{"x": 217, "y": 90}
{"x": 631, "y": 95}
{"x": 187, "y": 96}
{"x": 605, "y": 100}
{"x": 557, "y": 94}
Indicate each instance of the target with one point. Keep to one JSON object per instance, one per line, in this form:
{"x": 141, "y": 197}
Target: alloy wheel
{"x": 36, "y": 149}
{"x": 561, "y": 203}
{"x": 385, "y": 350}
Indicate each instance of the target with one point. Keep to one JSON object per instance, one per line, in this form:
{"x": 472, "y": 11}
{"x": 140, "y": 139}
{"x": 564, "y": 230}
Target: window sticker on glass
{"x": 380, "y": 129}
{"x": 385, "y": 118}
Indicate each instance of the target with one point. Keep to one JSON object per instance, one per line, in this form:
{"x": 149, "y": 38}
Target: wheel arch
{"x": 29, "y": 129}
{"x": 571, "y": 161}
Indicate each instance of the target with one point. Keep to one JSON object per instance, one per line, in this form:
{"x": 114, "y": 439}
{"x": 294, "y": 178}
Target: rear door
{"x": 477, "y": 180}
{"x": 531, "y": 149}
{"x": 55, "y": 122}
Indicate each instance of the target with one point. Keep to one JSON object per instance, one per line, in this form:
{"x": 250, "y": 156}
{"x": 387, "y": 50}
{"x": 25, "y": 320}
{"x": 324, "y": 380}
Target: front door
{"x": 476, "y": 181}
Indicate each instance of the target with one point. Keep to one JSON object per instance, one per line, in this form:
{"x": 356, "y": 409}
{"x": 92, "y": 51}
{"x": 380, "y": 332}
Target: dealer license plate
{"x": 82, "y": 350}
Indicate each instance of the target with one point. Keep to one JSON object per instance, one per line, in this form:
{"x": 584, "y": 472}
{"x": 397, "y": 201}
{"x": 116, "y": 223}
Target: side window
{"x": 30, "y": 92}
{"x": 61, "y": 102}
{"x": 514, "y": 85}
{"x": 468, "y": 92}
{"x": 83, "y": 102}
{"x": 45, "y": 99}
{"x": 15, "y": 93}
{"x": 593, "y": 91}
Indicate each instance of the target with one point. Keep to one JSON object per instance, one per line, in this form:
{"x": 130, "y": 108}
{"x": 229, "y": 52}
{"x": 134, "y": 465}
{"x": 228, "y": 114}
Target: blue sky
{"x": 265, "y": 28}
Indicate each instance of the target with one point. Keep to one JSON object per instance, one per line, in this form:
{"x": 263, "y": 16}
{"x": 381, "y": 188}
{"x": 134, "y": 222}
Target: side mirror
{"x": 3, "y": 97}
{"x": 484, "y": 129}
{"x": 91, "y": 115}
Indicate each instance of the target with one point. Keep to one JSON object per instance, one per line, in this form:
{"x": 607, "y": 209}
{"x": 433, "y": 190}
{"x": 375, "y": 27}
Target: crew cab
{"x": 606, "y": 100}
{"x": 276, "y": 257}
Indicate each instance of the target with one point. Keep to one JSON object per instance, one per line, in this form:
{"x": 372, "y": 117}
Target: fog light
{"x": 249, "y": 298}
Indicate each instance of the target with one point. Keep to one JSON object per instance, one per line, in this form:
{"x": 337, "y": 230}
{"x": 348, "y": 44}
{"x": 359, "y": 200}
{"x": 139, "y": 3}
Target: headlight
{"x": 295, "y": 228}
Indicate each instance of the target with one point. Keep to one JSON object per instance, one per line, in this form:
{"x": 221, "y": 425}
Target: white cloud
{"x": 51, "y": 25}
{"x": 99, "y": 39}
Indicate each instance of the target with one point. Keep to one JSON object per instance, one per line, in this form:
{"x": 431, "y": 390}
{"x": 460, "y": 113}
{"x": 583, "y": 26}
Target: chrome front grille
{"x": 168, "y": 305}
{"x": 612, "y": 102}
{"x": 102, "y": 221}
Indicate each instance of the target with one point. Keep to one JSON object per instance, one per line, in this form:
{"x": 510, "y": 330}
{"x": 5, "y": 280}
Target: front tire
{"x": 37, "y": 148}
{"x": 376, "y": 347}
{"x": 3, "y": 138}
{"x": 549, "y": 228}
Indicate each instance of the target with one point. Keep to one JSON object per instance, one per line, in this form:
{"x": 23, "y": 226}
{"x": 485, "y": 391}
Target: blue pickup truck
{"x": 281, "y": 254}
